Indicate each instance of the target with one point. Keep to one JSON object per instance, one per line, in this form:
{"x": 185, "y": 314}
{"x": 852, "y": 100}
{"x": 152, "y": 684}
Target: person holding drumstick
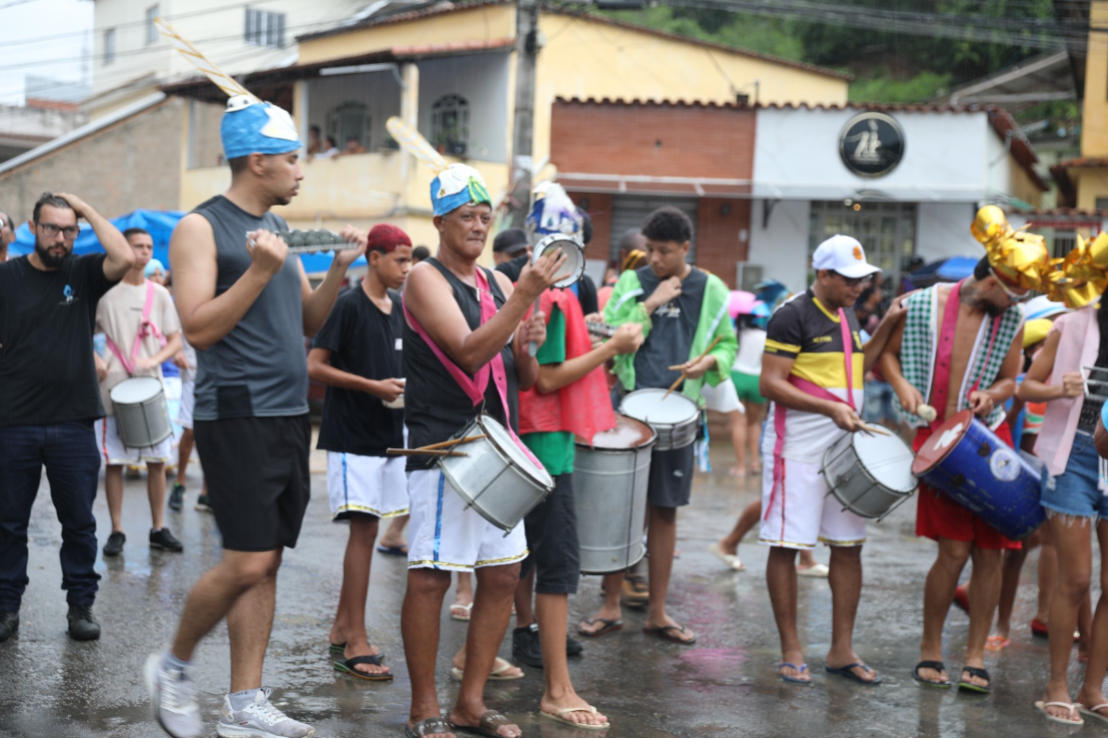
{"x": 245, "y": 303}
{"x": 812, "y": 372}
{"x": 49, "y": 398}
{"x": 939, "y": 361}
{"x": 464, "y": 329}
{"x": 140, "y": 321}
{"x": 689, "y": 342}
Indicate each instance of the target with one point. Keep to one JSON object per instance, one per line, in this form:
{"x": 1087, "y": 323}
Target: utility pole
{"x": 527, "y": 49}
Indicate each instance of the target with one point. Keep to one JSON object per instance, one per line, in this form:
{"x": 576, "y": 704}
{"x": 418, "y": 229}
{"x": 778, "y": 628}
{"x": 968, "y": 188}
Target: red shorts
{"x": 938, "y": 516}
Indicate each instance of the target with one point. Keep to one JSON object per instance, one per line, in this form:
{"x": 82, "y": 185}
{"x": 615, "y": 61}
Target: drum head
{"x": 503, "y": 441}
{"x": 942, "y": 441}
{"x": 627, "y": 434}
{"x": 648, "y": 406}
{"x": 571, "y": 247}
{"x": 136, "y": 390}
{"x": 887, "y": 459}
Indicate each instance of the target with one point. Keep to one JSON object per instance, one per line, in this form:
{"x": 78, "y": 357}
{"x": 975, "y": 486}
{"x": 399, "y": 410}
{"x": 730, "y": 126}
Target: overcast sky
{"x": 25, "y": 47}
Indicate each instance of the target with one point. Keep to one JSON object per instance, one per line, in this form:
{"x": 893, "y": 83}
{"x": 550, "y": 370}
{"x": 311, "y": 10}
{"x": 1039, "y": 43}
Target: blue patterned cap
{"x": 459, "y": 185}
{"x": 251, "y": 127}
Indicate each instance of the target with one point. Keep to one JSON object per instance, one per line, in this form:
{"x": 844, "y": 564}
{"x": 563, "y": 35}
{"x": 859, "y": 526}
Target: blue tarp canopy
{"x": 160, "y": 224}
{"x": 951, "y": 269}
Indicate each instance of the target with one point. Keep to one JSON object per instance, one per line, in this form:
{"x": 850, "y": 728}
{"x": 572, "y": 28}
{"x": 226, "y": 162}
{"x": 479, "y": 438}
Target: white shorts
{"x": 377, "y": 486}
{"x": 801, "y": 513}
{"x": 112, "y": 449}
{"x": 444, "y": 535}
{"x": 188, "y": 400}
{"x": 722, "y": 398}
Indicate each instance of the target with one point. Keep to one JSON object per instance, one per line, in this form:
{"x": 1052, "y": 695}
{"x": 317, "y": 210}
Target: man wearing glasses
{"x": 812, "y": 371}
{"x": 958, "y": 347}
{"x": 49, "y": 398}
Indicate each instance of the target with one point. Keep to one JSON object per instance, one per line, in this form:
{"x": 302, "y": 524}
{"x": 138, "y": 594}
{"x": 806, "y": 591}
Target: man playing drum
{"x": 49, "y": 398}
{"x": 683, "y": 310}
{"x": 358, "y": 355}
{"x": 245, "y": 304}
{"x": 464, "y": 337}
{"x": 140, "y": 322}
{"x": 958, "y": 346}
{"x": 812, "y": 372}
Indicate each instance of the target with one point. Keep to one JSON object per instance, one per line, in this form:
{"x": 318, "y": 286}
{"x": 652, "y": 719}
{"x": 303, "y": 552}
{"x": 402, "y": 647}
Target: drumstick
{"x": 411, "y": 139}
{"x": 874, "y": 429}
{"x": 222, "y": 80}
{"x": 682, "y": 376}
{"x": 429, "y": 452}
{"x": 450, "y": 443}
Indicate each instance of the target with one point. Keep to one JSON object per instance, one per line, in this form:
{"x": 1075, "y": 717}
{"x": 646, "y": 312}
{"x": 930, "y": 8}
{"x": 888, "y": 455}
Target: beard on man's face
{"x": 48, "y": 257}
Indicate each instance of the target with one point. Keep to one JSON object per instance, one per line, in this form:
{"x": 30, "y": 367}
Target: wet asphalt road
{"x": 725, "y": 685}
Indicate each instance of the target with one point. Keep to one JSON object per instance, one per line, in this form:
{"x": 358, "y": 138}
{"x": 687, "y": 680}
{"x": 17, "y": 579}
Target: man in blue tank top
{"x": 460, "y": 319}
{"x": 246, "y": 304}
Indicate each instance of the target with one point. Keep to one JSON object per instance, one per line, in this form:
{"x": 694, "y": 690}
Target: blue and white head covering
{"x": 1042, "y": 307}
{"x": 552, "y": 212}
{"x": 153, "y": 267}
{"x": 253, "y": 127}
{"x": 458, "y": 185}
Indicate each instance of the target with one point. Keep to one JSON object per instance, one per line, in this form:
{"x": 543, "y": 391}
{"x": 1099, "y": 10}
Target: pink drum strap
{"x": 945, "y": 351}
{"x": 146, "y": 328}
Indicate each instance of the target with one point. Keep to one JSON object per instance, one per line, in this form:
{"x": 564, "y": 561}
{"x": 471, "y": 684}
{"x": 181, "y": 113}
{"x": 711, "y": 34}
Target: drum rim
{"x": 653, "y": 439}
{"x": 544, "y": 244}
{"x": 144, "y": 379}
{"x": 654, "y": 390}
{"x": 481, "y": 422}
{"x": 874, "y": 480}
{"x": 940, "y": 460}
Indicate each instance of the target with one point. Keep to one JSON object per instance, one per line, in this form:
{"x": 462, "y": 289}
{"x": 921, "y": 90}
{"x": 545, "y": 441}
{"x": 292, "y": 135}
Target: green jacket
{"x": 625, "y": 307}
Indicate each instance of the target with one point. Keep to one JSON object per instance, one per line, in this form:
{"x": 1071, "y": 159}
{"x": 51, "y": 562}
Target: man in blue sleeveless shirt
{"x": 246, "y": 305}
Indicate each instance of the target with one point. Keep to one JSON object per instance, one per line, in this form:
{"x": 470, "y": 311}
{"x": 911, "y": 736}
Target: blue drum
{"x": 971, "y": 464}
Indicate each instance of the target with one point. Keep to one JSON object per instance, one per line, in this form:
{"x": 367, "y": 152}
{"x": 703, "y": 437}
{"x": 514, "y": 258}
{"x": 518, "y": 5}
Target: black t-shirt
{"x": 514, "y": 267}
{"x": 585, "y": 289}
{"x": 47, "y": 373}
{"x": 362, "y": 341}
{"x": 672, "y": 332}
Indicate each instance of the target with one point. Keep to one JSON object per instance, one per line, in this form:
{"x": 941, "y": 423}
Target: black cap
{"x": 510, "y": 241}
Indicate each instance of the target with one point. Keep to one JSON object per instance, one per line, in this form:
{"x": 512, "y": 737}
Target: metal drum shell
{"x": 489, "y": 481}
{"x": 574, "y": 251}
{"x": 610, "y": 489}
{"x": 670, "y": 435}
{"x": 145, "y": 422}
{"x": 854, "y": 486}
{"x": 964, "y": 471}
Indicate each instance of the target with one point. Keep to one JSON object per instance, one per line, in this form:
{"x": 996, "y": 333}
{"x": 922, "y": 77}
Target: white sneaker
{"x": 260, "y": 719}
{"x": 173, "y": 696}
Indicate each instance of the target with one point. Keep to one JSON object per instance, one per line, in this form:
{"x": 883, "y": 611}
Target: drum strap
{"x": 146, "y": 329}
{"x": 946, "y": 350}
{"x": 475, "y": 387}
{"x": 816, "y": 391}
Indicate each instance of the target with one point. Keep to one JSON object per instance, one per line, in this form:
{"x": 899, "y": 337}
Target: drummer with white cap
{"x": 813, "y": 371}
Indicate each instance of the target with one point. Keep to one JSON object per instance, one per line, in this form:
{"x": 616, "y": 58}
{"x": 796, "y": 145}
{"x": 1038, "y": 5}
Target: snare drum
{"x": 675, "y": 418}
{"x": 967, "y": 461}
{"x": 610, "y": 477}
{"x": 497, "y": 479}
{"x": 141, "y": 413}
{"x": 869, "y": 474}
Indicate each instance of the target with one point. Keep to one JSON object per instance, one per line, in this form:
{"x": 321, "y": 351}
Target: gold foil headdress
{"x": 1021, "y": 259}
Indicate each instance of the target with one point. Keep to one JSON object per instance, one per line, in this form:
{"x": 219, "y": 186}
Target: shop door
{"x": 629, "y": 211}
{"x": 887, "y": 231}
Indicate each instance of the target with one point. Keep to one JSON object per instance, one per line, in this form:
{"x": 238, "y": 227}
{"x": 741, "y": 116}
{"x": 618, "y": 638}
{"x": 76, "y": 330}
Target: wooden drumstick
{"x": 428, "y": 452}
{"x": 683, "y": 376}
{"x": 450, "y": 443}
{"x": 874, "y": 429}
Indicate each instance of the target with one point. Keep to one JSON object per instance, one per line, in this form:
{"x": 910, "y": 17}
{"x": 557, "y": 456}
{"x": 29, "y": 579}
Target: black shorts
{"x": 551, "y": 528}
{"x": 258, "y": 480}
{"x": 671, "y": 473}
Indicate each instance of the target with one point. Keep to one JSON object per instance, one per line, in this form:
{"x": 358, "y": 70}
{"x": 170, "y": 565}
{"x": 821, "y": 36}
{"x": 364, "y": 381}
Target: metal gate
{"x": 887, "y": 231}
{"x": 629, "y": 211}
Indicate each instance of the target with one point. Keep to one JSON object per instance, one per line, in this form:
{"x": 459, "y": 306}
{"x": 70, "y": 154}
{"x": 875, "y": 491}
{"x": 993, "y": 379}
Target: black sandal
{"x": 349, "y": 667}
{"x": 489, "y": 724}
{"x": 980, "y": 672}
{"x": 430, "y": 725}
{"x": 933, "y": 665}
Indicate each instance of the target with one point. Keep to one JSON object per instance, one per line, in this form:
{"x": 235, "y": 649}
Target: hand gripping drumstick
{"x": 221, "y": 79}
{"x": 683, "y": 376}
{"x": 407, "y": 136}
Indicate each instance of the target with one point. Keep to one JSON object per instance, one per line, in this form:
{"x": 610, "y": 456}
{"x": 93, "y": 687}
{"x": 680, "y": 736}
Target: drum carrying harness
{"x": 147, "y": 328}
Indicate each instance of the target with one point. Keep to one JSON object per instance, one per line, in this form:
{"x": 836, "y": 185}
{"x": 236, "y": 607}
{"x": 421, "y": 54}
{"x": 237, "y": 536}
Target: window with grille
{"x": 450, "y": 124}
{"x": 151, "y": 30}
{"x": 109, "y": 46}
{"x": 349, "y": 120}
{"x": 264, "y": 28}
{"x": 887, "y": 231}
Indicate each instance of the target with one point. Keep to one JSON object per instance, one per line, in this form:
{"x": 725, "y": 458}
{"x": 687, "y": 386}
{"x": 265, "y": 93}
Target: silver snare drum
{"x": 140, "y": 412}
{"x": 674, "y": 419}
{"x": 869, "y": 474}
{"x": 496, "y": 479}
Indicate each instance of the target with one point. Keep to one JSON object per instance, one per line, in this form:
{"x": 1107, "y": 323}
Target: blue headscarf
{"x": 252, "y": 127}
{"x": 458, "y": 185}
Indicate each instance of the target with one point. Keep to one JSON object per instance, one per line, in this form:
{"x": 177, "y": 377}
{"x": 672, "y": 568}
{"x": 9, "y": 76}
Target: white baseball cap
{"x": 843, "y": 254}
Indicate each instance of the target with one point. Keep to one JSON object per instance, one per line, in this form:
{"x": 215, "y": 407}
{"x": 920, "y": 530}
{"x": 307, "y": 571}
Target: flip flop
{"x": 996, "y": 642}
{"x": 790, "y": 678}
{"x": 341, "y": 648}
{"x": 1093, "y": 712}
{"x": 669, "y": 633}
{"x": 348, "y": 666}
{"x": 431, "y": 725}
{"x": 488, "y": 724}
{"x": 1042, "y": 706}
{"x": 499, "y": 667}
{"x": 848, "y": 672}
{"x": 393, "y": 551}
{"x": 560, "y": 716}
{"x": 465, "y": 609}
{"x": 731, "y": 560}
{"x": 980, "y": 672}
{"x": 608, "y": 626}
{"x": 933, "y": 665}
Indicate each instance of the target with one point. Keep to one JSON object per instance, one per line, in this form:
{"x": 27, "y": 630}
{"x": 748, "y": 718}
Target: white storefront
{"x": 926, "y": 170}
